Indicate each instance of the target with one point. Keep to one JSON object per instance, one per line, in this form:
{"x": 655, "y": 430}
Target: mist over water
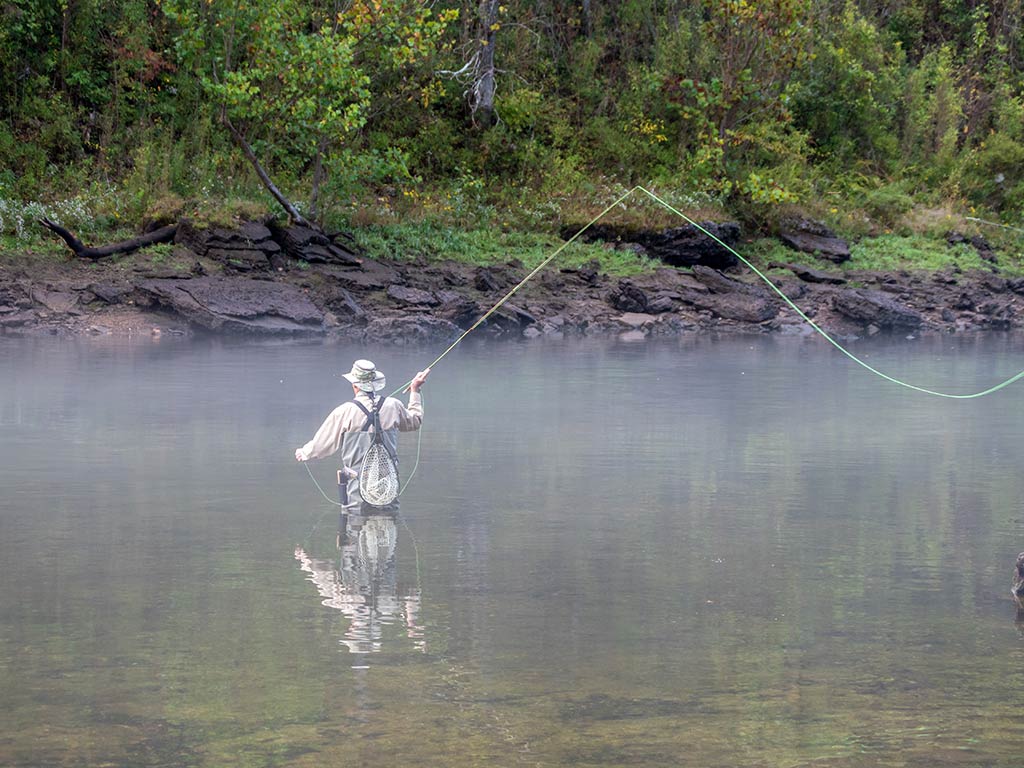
{"x": 735, "y": 552}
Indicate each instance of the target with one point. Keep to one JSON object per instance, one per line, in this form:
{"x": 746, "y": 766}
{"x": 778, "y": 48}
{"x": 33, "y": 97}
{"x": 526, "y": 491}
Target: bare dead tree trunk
{"x": 162, "y": 235}
{"x": 247, "y": 150}
{"x": 481, "y": 97}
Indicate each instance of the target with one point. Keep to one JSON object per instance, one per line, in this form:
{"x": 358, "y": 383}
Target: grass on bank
{"x": 894, "y": 252}
{"x": 427, "y": 242}
{"x": 468, "y": 227}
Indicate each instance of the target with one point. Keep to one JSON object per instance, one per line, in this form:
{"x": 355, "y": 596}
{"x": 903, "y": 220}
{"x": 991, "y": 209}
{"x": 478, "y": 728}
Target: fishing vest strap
{"x": 370, "y": 416}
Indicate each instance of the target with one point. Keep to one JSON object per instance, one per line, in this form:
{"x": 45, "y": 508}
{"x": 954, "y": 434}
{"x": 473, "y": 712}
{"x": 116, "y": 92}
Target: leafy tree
{"x": 847, "y": 97}
{"x": 293, "y": 79}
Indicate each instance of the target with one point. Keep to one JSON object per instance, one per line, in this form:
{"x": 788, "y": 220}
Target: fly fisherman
{"x": 346, "y": 427}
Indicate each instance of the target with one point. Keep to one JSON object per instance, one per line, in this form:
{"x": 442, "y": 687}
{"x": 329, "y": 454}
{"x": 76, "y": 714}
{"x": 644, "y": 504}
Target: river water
{"x": 738, "y": 552}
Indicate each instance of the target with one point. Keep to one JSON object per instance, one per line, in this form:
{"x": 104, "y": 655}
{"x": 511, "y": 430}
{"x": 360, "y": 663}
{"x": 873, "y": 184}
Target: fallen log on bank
{"x": 162, "y": 235}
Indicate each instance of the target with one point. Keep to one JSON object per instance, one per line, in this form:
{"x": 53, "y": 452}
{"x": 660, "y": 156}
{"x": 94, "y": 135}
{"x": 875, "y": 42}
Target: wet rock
{"x": 964, "y": 302}
{"x": 342, "y": 304}
{"x": 422, "y": 329}
{"x": 109, "y": 293}
{"x": 63, "y": 302}
{"x": 809, "y": 275}
{"x": 628, "y": 297}
{"x": 518, "y": 316}
{"x": 739, "y": 307}
{"x": 637, "y": 334}
{"x": 369, "y": 276}
{"x": 18, "y": 319}
{"x": 412, "y": 296}
{"x": 589, "y": 273}
{"x": 237, "y": 305}
{"x": 457, "y": 308}
{"x": 492, "y": 279}
{"x": 791, "y": 289}
{"x": 808, "y": 236}
{"x": 868, "y": 306}
{"x": 997, "y": 314}
{"x": 662, "y": 304}
{"x": 993, "y": 283}
{"x": 637, "y": 319}
{"x": 716, "y": 282}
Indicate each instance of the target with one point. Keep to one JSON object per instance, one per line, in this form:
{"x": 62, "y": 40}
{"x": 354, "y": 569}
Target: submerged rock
{"x": 422, "y": 329}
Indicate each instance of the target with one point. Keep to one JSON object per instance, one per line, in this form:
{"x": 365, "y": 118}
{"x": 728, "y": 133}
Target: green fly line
{"x": 619, "y": 201}
{"x": 755, "y": 270}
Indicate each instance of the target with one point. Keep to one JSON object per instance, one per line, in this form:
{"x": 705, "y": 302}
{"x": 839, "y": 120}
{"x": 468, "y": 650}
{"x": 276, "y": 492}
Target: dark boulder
{"x": 691, "y": 245}
{"x": 679, "y": 246}
{"x": 457, "y": 308}
{"x": 110, "y": 293}
{"x": 875, "y": 308}
{"x": 982, "y": 246}
{"x": 369, "y": 276}
{"x": 237, "y": 305}
{"x": 809, "y": 275}
{"x": 412, "y": 297}
{"x": 997, "y": 314}
{"x": 739, "y": 307}
{"x": 342, "y": 304}
{"x": 663, "y": 303}
{"x": 492, "y": 279}
{"x": 716, "y": 282}
{"x": 313, "y": 246}
{"x": 249, "y": 247}
{"x": 813, "y": 237}
{"x": 628, "y": 297}
{"x": 420, "y": 329}
{"x": 511, "y": 316}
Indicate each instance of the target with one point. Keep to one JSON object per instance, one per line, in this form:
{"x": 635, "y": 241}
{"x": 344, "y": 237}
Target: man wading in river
{"x": 348, "y": 426}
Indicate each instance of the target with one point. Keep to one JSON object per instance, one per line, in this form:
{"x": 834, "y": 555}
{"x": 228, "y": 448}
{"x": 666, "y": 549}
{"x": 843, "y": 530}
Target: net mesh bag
{"x": 378, "y": 478}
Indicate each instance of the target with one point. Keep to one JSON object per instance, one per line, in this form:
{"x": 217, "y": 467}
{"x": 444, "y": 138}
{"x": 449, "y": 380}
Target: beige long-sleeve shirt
{"x": 348, "y": 418}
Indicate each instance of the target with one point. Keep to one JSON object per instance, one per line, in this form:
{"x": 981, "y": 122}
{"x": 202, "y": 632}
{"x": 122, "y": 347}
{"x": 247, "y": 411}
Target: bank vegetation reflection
{"x": 362, "y": 583}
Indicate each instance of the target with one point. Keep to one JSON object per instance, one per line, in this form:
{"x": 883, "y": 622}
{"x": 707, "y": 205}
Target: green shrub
{"x": 846, "y": 97}
{"x": 992, "y": 173}
{"x": 887, "y": 204}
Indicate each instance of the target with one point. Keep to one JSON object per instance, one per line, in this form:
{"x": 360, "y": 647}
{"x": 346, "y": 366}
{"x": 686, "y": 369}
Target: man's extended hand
{"x": 298, "y": 455}
{"x": 418, "y": 379}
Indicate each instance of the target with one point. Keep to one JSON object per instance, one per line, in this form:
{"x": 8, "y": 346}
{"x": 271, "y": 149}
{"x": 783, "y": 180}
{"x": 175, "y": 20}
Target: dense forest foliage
{"x": 511, "y": 109}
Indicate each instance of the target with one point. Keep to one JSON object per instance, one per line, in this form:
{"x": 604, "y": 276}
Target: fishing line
{"x": 653, "y": 197}
{"x": 993, "y": 223}
{"x": 749, "y": 265}
{"x": 814, "y": 325}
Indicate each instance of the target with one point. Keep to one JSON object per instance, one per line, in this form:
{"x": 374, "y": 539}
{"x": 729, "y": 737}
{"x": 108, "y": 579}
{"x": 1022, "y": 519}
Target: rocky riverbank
{"x": 266, "y": 281}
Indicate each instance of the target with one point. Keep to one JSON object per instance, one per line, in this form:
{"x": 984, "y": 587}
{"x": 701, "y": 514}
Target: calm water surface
{"x": 699, "y": 553}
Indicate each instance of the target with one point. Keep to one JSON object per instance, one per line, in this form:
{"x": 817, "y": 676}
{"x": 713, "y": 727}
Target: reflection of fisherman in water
{"x": 364, "y": 585}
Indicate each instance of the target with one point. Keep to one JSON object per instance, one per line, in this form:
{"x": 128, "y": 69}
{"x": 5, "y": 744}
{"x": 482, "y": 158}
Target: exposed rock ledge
{"x": 411, "y": 303}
